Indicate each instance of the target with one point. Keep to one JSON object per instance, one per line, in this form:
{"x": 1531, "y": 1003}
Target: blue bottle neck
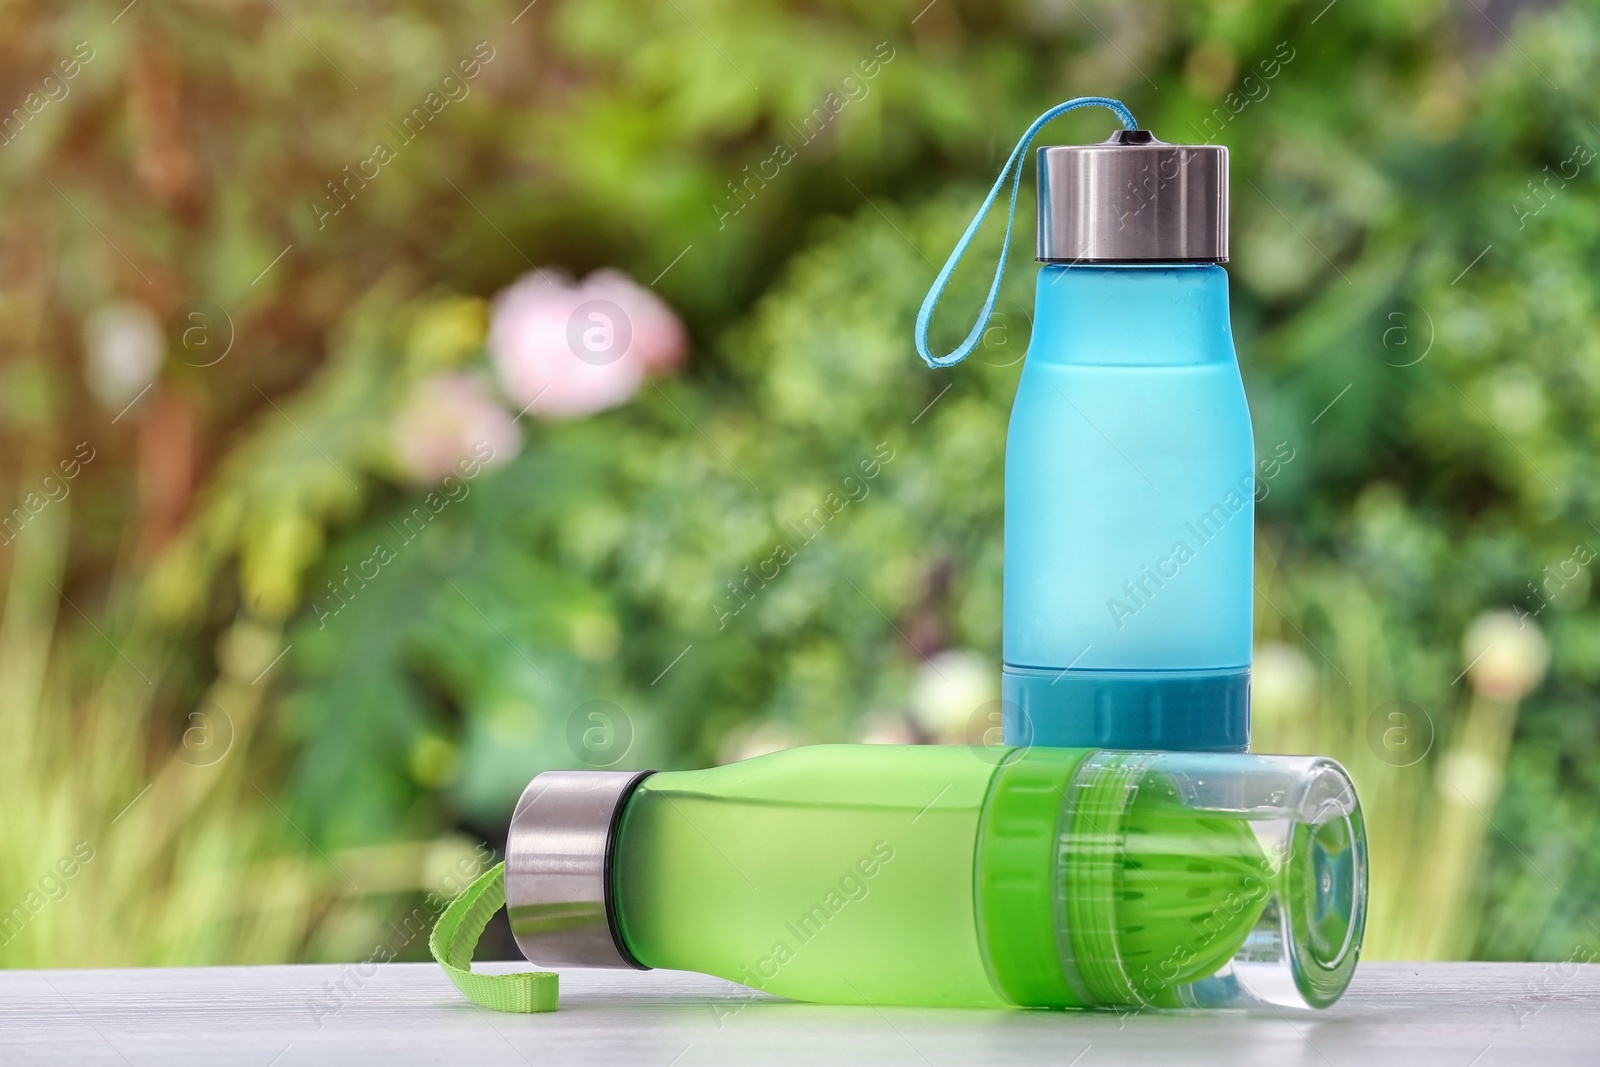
{"x": 1156, "y": 315}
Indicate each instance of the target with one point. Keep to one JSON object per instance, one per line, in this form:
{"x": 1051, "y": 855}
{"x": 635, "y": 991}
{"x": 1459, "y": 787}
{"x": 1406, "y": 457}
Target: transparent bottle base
{"x": 1191, "y": 711}
{"x": 1191, "y": 881}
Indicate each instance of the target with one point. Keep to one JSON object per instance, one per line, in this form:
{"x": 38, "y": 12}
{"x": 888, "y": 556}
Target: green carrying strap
{"x": 455, "y": 936}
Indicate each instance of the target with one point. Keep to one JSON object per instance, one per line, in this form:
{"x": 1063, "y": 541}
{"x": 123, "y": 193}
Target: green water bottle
{"x": 950, "y": 876}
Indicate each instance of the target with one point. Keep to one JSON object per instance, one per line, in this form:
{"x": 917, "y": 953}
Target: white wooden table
{"x": 1454, "y": 1015}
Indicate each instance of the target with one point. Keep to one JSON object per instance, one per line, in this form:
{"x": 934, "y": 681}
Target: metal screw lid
{"x": 1133, "y": 199}
{"x": 558, "y": 868}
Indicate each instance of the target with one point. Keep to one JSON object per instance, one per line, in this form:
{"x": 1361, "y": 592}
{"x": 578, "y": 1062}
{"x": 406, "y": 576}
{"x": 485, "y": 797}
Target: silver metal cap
{"x": 1133, "y": 199}
{"x": 558, "y": 868}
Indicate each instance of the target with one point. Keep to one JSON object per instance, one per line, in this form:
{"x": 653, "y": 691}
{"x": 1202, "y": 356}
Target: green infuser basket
{"x": 940, "y": 876}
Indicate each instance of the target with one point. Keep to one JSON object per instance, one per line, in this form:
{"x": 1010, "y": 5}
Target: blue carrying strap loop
{"x": 1013, "y": 169}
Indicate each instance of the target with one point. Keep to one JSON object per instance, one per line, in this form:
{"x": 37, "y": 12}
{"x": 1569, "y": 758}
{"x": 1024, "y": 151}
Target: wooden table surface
{"x": 1454, "y": 1015}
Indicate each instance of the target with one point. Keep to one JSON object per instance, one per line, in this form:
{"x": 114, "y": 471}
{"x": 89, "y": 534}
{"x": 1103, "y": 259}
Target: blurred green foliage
{"x": 1413, "y": 311}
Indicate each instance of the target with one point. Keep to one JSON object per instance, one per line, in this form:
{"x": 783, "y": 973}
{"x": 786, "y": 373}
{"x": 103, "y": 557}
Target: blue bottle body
{"x": 1130, "y": 516}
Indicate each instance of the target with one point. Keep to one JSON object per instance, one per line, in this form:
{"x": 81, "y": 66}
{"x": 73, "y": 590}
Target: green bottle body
{"x": 948, "y": 876}
{"x": 814, "y": 873}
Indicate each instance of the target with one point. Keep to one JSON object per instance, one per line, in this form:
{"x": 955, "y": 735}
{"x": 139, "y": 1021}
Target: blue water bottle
{"x": 1130, "y": 464}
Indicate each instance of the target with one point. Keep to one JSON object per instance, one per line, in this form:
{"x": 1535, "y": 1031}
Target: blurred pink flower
{"x": 566, "y": 350}
{"x": 448, "y": 420}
